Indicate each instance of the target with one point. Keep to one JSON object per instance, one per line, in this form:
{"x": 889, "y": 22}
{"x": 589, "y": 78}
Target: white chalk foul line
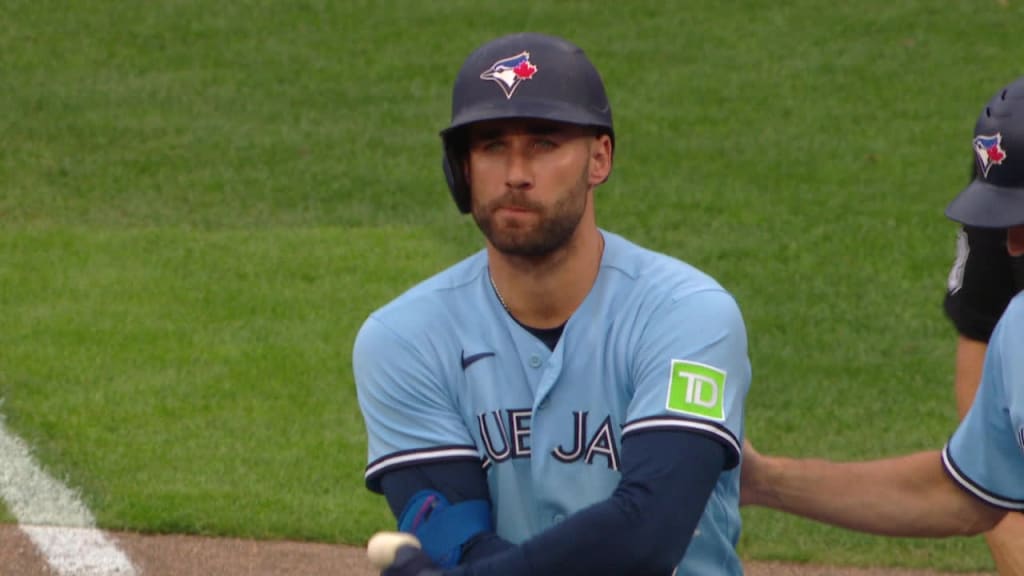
{"x": 79, "y": 551}
{"x": 53, "y": 517}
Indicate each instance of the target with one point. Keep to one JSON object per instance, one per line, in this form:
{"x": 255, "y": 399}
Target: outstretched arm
{"x": 902, "y": 496}
{"x": 1005, "y": 540}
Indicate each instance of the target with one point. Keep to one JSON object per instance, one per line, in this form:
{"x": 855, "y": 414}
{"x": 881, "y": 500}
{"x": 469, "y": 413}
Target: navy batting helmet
{"x": 995, "y": 198}
{"x": 525, "y": 75}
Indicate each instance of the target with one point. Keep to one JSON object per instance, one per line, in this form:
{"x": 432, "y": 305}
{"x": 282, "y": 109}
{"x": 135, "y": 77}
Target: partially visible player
{"x": 971, "y": 485}
{"x": 982, "y": 281}
{"x": 564, "y": 401}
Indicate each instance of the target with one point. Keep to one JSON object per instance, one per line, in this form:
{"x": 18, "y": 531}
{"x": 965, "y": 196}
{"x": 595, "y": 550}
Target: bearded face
{"x": 531, "y": 182}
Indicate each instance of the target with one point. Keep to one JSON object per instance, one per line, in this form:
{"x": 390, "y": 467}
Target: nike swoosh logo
{"x": 468, "y": 360}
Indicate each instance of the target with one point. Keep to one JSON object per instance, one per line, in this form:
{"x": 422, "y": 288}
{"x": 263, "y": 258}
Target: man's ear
{"x": 600, "y": 159}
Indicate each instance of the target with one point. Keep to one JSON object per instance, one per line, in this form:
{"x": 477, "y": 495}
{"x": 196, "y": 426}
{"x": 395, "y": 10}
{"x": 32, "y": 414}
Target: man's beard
{"x": 553, "y": 229}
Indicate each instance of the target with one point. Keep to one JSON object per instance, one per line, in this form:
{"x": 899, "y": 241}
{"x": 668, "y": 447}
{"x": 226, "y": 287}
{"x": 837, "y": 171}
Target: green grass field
{"x": 200, "y": 203}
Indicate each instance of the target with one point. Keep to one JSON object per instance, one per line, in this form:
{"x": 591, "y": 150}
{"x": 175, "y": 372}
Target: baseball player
{"x": 983, "y": 279}
{"x": 563, "y": 402}
{"x": 979, "y": 476}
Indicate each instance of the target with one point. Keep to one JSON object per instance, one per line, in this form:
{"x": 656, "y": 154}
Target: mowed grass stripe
{"x": 313, "y": 113}
{"x": 201, "y": 381}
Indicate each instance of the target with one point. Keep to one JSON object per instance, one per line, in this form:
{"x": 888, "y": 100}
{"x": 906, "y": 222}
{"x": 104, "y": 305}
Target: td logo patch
{"x": 696, "y": 389}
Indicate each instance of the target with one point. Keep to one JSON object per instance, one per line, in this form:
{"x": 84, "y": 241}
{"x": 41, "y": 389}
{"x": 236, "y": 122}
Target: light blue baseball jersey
{"x": 445, "y": 373}
{"x": 986, "y": 453}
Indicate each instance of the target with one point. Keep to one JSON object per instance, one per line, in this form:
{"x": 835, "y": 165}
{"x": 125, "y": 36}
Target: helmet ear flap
{"x": 456, "y": 179}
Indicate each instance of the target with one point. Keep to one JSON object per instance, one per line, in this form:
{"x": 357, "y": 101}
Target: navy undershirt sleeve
{"x": 457, "y": 482}
{"x": 642, "y": 529}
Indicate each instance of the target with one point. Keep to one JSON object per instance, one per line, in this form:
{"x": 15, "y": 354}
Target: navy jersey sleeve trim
{"x": 972, "y": 487}
{"x": 434, "y": 455}
{"x": 715, "y": 431}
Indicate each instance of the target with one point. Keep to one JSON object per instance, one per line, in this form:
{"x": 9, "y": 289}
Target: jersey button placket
{"x": 535, "y": 361}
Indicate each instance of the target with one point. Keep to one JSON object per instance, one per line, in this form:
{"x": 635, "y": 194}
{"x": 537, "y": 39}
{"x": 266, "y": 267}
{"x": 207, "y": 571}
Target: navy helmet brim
{"x": 984, "y": 205}
{"x": 528, "y": 108}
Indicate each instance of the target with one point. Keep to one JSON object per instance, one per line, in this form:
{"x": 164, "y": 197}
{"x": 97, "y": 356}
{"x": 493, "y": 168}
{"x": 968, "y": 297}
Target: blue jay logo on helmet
{"x": 510, "y": 72}
{"x": 988, "y": 151}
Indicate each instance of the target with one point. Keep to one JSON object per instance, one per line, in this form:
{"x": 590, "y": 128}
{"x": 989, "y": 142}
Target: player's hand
{"x": 411, "y": 561}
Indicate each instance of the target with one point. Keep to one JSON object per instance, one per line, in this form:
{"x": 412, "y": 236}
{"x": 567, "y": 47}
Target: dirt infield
{"x": 191, "y": 555}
